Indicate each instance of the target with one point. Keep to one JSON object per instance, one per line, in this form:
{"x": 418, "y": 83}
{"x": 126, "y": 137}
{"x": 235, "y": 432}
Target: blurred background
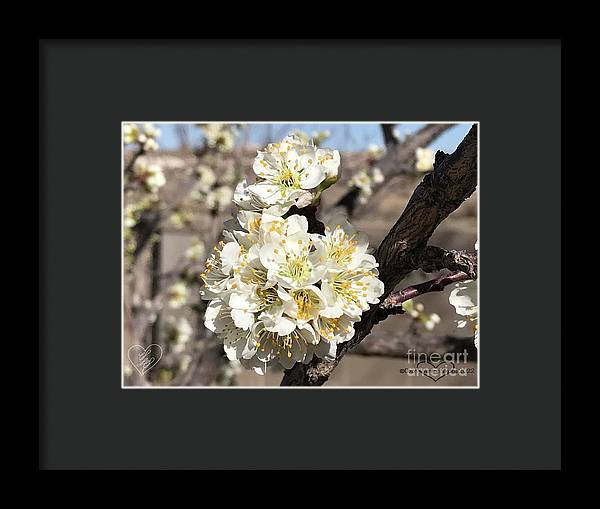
{"x": 177, "y": 188}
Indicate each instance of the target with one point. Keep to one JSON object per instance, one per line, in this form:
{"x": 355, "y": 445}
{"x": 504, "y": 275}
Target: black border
{"x": 82, "y": 417}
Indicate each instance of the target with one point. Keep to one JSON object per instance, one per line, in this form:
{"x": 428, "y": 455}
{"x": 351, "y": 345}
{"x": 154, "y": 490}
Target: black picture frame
{"x": 87, "y": 87}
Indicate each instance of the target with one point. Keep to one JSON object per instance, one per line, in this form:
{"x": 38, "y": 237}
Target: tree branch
{"x": 392, "y": 305}
{"x": 388, "y": 135}
{"x": 433, "y": 259}
{"x": 399, "y": 160}
{"x": 452, "y": 181}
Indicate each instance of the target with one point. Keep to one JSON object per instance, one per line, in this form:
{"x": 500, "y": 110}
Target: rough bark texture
{"x": 452, "y": 181}
{"x": 435, "y": 258}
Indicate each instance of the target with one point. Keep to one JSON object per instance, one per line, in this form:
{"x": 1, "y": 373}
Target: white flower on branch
{"x": 177, "y": 295}
{"x": 219, "y": 136}
{"x": 145, "y": 137}
{"x": 280, "y": 295}
{"x": 206, "y": 178}
{"x": 364, "y": 181}
{"x": 179, "y": 332}
{"x": 246, "y": 200}
{"x": 425, "y": 159}
{"x": 151, "y": 131}
{"x": 151, "y": 145}
{"x": 377, "y": 175}
{"x": 291, "y": 173}
{"x": 418, "y": 314}
{"x": 151, "y": 176}
{"x": 375, "y": 152}
{"x": 130, "y": 133}
{"x": 464, "y": 299}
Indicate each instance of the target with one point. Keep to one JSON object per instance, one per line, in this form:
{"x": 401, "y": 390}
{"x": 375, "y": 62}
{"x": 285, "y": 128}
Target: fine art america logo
{"x": 436, "y": 366}
{"x": 144, "y": 359}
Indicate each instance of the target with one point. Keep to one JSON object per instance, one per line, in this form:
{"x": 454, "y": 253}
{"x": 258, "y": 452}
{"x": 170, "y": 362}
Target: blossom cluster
{"x": 219, "y": 136}
{"x": 364, "y": 181}
{"x": 145, "y": 136}
{"x": 418, "y": 314}
{"x": 150, "y": 176}
{"x": 292, "y": 172}
{"x": 375, "y": 152}
{"x": 278, "y": 293}
{"x": 179, "y": 333}
{"x": 215, "y": 193}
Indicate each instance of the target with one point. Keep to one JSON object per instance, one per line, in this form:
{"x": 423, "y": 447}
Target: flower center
{"x": 254, "y": 225}
{"x": 341, "y": 247}
{"x": 307, "y": 302}
{"x": 288, "y": 179}
{"x": 268, "y": 297}
{"x": 278, "y": 342}
{"x": 348, "y": 287}
{"x": 297, "y": 268}
{"x": 329, "y": 327}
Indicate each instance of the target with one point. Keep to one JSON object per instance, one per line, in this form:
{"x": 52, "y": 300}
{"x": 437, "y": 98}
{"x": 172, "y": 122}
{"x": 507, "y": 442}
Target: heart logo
{"x": 435, "y": 371}
{"x": 144, "y": 359}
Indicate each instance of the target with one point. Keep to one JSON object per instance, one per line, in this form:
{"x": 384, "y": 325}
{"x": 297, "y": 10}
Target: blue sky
{"x": 343, "y": 136}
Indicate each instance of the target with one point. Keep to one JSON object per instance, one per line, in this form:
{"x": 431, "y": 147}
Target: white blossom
{"x": 177, "y": 295}
{"x": 280, "y": 294}
{"x": 206, "y": 178}
{"x": 151, "y": 145}
{"x": 375, "y": 152}
{"x": 292, "y": 173}
{"x": 130, "y": 133}
{"x": 417, "y": 313}
{"x": 246, "y": 200}
{"x": 432, "y": 320}
{"x": 151, "y": 131}
{"x": 364, "y": 181}
{"x": 145, "y": 137}
{"x": 195, "y": 252}
{"x": 219, "y": 136}
{"x": 378, "y": 176}
{"x": 464, "y": 299}
{"x": 151, "y": 176}
{"x": 425, "y": 159}
{"x": 180, "y": 332}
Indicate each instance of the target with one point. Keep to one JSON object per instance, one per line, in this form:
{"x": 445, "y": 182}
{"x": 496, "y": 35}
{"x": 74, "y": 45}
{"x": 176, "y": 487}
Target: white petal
{"x": 229, "y": 256}
{"x": 296, "y": 224}
{"x": 242, "y": 319}
{"x": 272, "y": 256}
{"x": 312, "y": 176}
